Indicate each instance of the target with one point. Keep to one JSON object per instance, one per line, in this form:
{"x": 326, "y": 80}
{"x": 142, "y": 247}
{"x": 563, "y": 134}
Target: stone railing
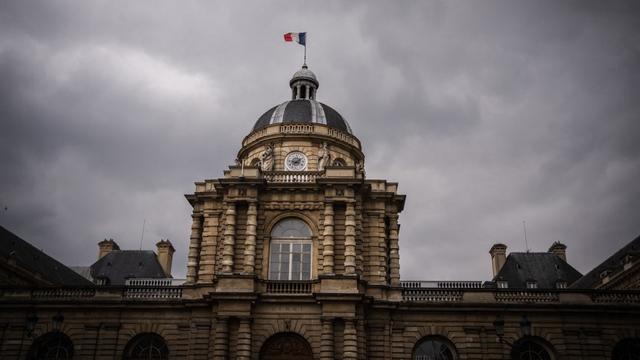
{"x": 152, "y": 292}
{"x": 619, "y": 297}
{"x": 441, "y": 284}
{"x": 63, "y": 293}
{"x": 148, "y": 282}
{"x": 302, "y": 128}
{"x": 431, "y": 295}
{"x": 526, "y": 296}
{"x": 289, "y": 287}
{"x": 292, "y": 176}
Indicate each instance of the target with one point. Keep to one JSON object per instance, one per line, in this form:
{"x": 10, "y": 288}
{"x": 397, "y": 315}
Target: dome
{"x": 303, "y": 108}
{"x": 303, "y": 111}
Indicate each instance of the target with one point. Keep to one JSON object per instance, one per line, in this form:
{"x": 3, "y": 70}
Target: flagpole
{"x": 305, "y": 54}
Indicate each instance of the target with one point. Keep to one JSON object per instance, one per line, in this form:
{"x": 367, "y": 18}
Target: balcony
{"x": 289, "y": 287}
{"x": 292, "y": 176}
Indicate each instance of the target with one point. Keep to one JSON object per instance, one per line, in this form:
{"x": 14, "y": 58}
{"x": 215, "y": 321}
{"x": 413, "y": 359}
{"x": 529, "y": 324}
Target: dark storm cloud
{"x": 486, "y": 113}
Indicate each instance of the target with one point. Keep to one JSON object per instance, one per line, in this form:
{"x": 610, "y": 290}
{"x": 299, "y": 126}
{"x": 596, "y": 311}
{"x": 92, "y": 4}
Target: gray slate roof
{"x": 37, "y": 262}
{"x": 543, "y": 267}
{"x": 300, "y": 112}
{"x": 120, "y": 265}
{"x": 613, "y": 263}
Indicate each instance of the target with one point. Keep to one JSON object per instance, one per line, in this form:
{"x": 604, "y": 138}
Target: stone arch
{"x": 291, "y": 214}
{"x": 450, "y": 346}
{"x": 426, "y": 331}
{"x": 51, "y": 345}
{"x": 546, "y": 345}
{"x": 284, "y": 326}
{"x": 266, "y": 239}
{"x": 286, "y": 346}
{"x": 146, "y": 345}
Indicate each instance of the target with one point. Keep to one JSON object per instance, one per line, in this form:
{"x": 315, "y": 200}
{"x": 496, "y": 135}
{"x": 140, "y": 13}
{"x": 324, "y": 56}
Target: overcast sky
{"x": 486, "y": 113}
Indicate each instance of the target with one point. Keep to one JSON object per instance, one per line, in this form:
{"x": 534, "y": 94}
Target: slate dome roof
{"x": 303, "y": 108}
{"x": 303, "y": 111}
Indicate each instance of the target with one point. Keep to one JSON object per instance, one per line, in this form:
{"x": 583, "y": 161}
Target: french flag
{"x": 300, "y": 38}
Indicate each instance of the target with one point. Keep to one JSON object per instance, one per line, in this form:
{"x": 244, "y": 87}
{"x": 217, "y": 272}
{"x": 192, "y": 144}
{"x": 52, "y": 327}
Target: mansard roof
{"x": 546, "y": 269}
{"x": 32, "y": 264}
{"x": 119, "y": 265}
{"x": 614, "y": 264}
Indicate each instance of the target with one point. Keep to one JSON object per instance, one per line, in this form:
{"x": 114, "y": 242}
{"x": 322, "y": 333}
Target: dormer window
{"x": 532, "y": 284}
{"x": 502, "y": 284}
{"x": 561, "y": 284}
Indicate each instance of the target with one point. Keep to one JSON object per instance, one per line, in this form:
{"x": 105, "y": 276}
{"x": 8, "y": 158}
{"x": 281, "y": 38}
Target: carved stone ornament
{"x": 324, "y": 157}
{"x": 266, "y": 159}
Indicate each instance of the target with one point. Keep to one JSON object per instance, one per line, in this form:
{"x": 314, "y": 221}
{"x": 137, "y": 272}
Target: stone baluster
{"x": 221, "y": 343}
{"x": 327, "y": 242}
{"x": 250, "y": 239}
{"x": 350, "y": 346}
{"x": 194, "y": 249}
{"x": 229, "y": 238}
{"x": 394, "y": 251}
{"x": 326, "y": 339}
{"x": 243, "y": 351}
{"x": 207, "y": 261}
{"x": 350, "y": 240}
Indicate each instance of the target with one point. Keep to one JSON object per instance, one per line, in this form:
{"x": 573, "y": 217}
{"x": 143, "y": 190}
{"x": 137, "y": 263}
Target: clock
{"x": 295, "y": 161}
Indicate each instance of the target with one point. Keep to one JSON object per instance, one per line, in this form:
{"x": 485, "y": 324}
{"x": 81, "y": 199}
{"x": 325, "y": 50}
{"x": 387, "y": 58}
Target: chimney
{"x": 559, "y": 249}
{"x": 165, "y": 255}
{"x": 106, "y": 246}
{"x": 498, "y": 257}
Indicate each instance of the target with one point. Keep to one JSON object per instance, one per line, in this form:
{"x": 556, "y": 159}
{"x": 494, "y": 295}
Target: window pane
{"x": 306, "y": 276}
{"x": 296, "y": 248}
{"x": 291, "y": 228}
{"x": 306, "y": 248}
{"x": 306, "y": 258}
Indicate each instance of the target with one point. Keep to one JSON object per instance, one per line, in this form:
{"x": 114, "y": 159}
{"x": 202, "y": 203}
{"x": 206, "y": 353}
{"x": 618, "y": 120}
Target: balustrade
{"x": 289, "y": 287}
{"x": 292, "y": 176}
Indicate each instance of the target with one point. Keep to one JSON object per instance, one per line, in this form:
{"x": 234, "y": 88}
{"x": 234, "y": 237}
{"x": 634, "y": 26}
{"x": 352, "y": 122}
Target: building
{"x": 293, "y": 254}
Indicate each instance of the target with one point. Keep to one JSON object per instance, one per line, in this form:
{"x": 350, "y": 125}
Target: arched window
{"x": 339, "y": 162}
{"x": 627, "y": 349}
{"x": 286, "y": 346}
{"x": 51, "y": 346}
{"x": 146, "y": 346}
{"x": 434, "y": 348}
{"x": 530, "y": 349}
{"x": 290, "y": 251}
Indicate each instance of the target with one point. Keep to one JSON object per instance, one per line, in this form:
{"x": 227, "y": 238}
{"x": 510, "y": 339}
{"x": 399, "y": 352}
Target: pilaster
{"x": 207, "y": 261}
{"x": 244, "y": 339}
{"x": 250, "y": 239}
{"x": 326, "y": 339}
{"x": 394, "y": 251}
{"x": 327, "y": 241}
{"x": 350, "y": 239}
{"x": 350, "y": 340}
{"x": 221, "y": 342}
{"x": 229, "y": 238}
{"x": 194, "y": 249}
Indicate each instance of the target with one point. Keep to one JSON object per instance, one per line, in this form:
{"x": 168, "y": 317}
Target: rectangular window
{"x": 290, "y": 260}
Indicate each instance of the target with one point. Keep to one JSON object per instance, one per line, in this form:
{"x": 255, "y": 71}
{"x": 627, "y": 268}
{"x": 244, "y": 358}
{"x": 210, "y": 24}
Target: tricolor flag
{"x": 300, "y": 38}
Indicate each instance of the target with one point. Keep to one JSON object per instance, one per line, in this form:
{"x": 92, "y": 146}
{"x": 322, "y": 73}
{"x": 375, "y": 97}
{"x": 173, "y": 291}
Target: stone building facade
{"x": 294, "y": 254}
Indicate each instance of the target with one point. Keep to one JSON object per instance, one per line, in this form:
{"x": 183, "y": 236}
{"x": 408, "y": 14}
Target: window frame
{"x": 307, "y": 237}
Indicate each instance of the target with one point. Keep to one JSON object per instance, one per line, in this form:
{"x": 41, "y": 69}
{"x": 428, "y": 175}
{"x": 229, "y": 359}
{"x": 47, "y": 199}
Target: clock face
{"x": 295, "y": 161}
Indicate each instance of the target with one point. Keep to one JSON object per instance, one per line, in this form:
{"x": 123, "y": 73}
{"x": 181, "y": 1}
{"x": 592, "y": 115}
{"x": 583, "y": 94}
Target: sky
{"x": 487, "y": 114}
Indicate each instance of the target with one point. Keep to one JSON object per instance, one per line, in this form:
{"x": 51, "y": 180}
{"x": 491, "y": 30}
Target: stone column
{"x": 250, "y": 239}
{"x": 350, "y": 239}
{"x": 221, "y": 341}
{"x": 394, "y": 251}
{"x": 206, "y": 265}
{"x": 194, "y": 249}
{"x": 229, "y": 238}
{"x": 327, "y": 241}
{"x": 244, "y": 339}
{"x": 350, "y": 347}
{"x": 326, "y": 339}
